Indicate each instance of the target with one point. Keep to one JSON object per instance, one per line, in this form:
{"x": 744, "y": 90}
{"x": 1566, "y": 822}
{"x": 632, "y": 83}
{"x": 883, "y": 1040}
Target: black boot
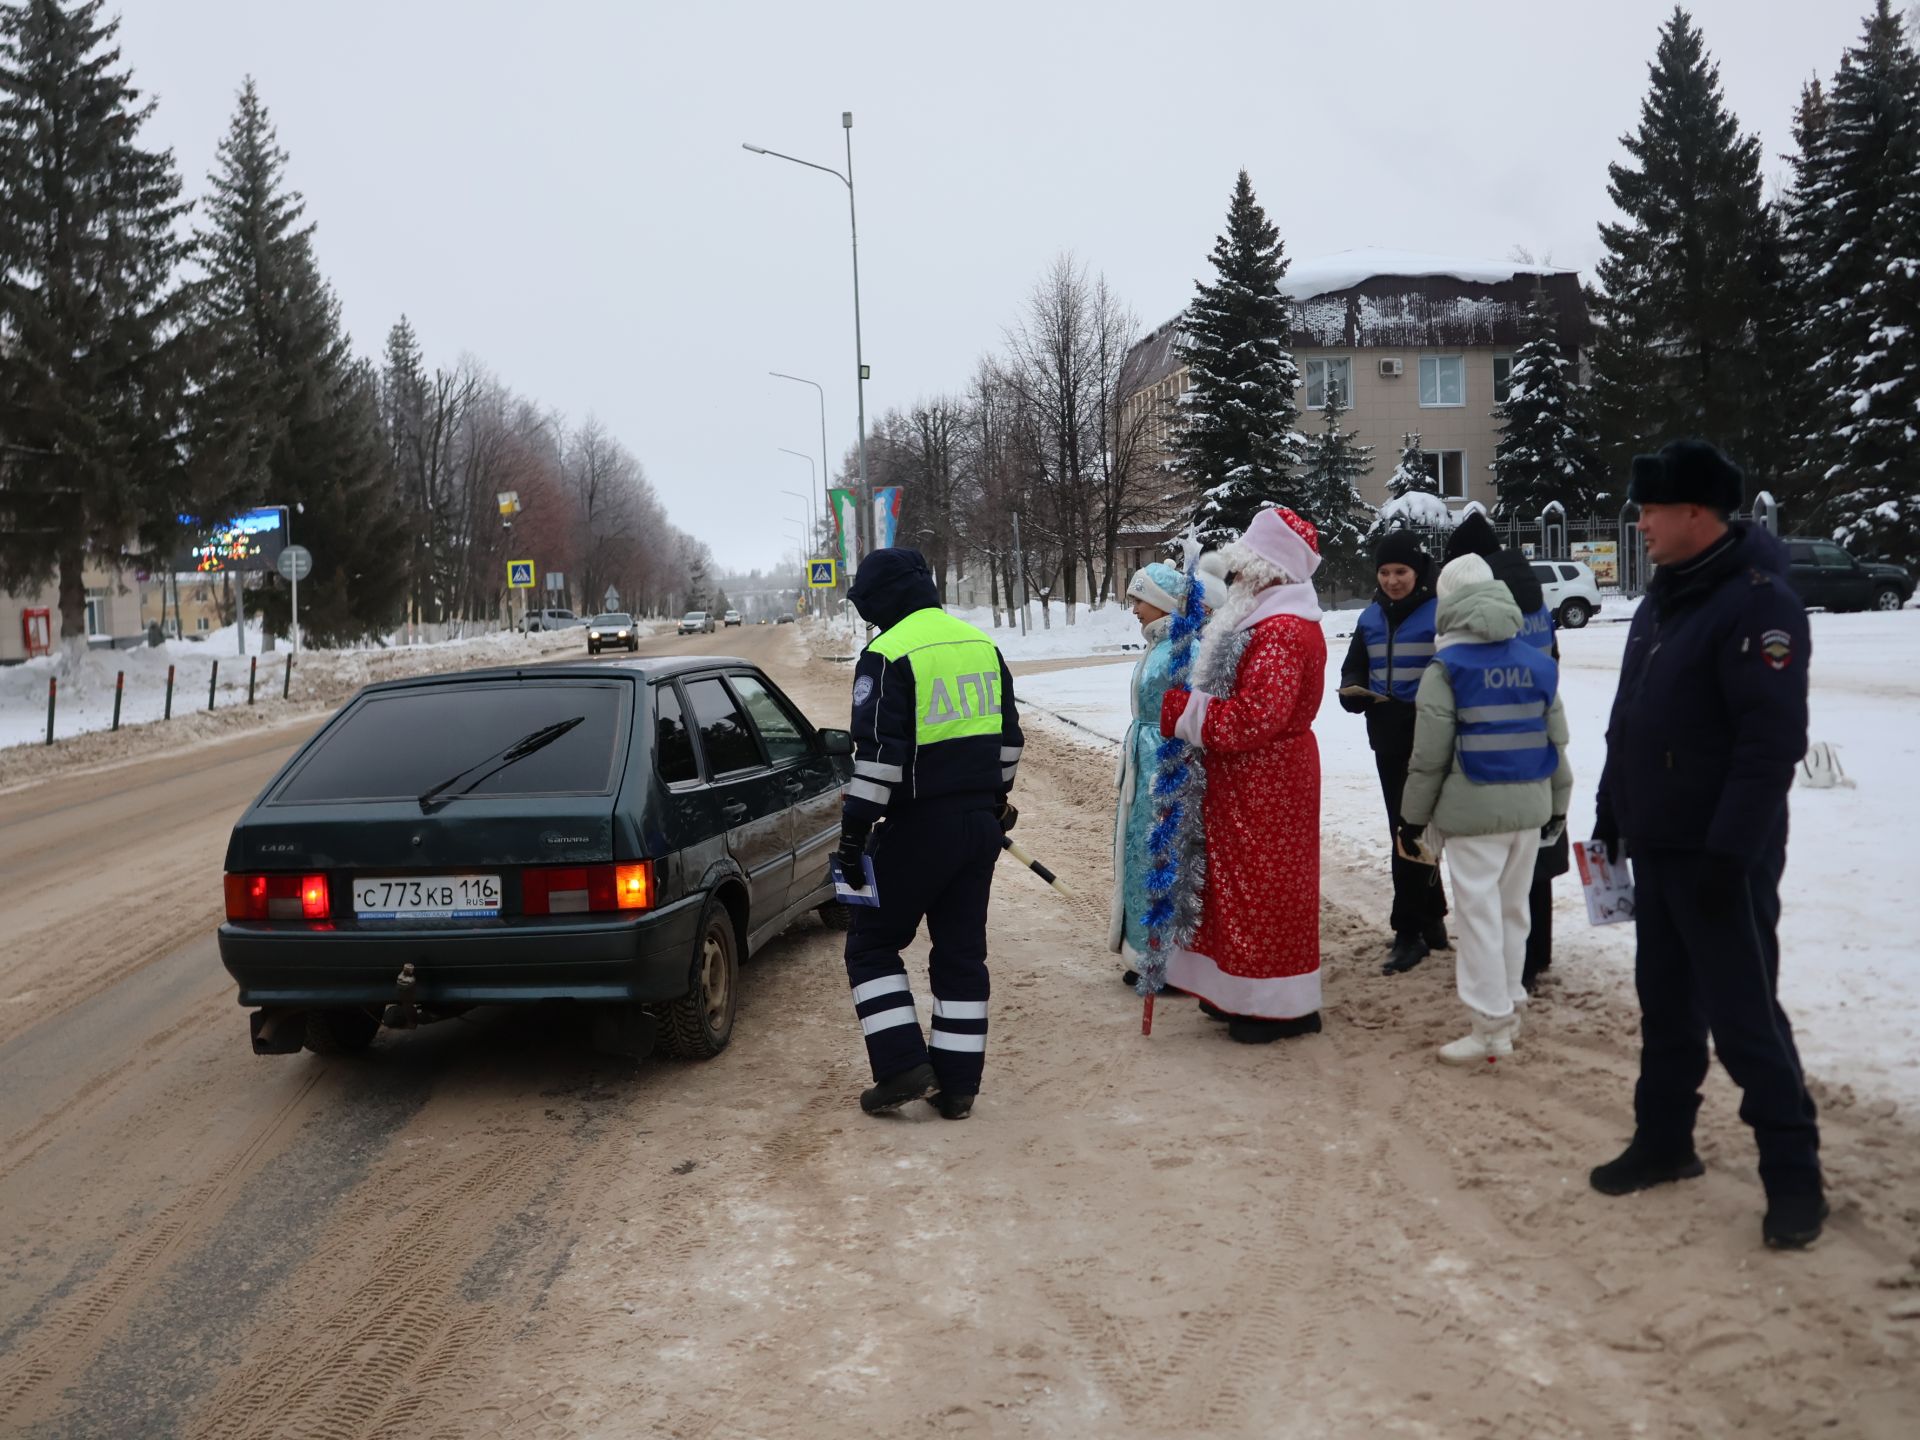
{"x": 1213, "y": 1012}
{"x": 1793, "y": 1221}
{"x": 1408, "y": 951}
{"x": 952, "y": 1106}
{"x": 1130, "y": 978}
{"x": 896, "y": 1090}
{"x": 1436, "y": 936}
{"x": 1639, "y": 1167}
{"x": 1250, "y": 1031}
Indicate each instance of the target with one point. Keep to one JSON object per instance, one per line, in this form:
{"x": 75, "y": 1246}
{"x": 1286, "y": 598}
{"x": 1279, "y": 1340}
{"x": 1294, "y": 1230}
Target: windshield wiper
{"x": 500, "y": 760}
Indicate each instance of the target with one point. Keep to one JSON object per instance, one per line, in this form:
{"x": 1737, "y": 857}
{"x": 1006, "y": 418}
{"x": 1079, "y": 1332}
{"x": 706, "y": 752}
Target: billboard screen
{"x": 243, "y": 545}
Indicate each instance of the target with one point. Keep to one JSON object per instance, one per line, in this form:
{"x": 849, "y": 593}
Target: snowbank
{"x": 1848, "y": 980}
{"x": 1108, "y": 629}
{"x": 1308, "y": 278}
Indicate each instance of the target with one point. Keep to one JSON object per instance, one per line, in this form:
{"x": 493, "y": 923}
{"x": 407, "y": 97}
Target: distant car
{"x": 1824, "y": 574}
{"x": 784, "y": 619}
{"x": 551, "y": 619}
{"x": 618, "y": 836}
{"x": 732, "y": 617}
{"x": 696, "y": 622}
{"x": 1573, "y": 595}
{"x": 612, "y": 628}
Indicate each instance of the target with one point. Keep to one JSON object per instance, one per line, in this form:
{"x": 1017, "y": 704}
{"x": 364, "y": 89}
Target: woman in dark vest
{"x": 1392, "y": 644}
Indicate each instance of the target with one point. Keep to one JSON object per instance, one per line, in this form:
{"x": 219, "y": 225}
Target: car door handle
{"x": 735, "y": 811}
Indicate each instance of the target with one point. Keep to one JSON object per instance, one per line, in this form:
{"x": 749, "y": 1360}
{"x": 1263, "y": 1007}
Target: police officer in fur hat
{"x": 1708, "y": 725}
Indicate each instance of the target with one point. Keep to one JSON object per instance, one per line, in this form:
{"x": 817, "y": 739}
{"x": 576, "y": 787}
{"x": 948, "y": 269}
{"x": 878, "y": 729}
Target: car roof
{"x": 647, "y": 667}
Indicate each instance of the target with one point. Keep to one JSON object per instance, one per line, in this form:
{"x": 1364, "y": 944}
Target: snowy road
{"x": 480, "y": 1230}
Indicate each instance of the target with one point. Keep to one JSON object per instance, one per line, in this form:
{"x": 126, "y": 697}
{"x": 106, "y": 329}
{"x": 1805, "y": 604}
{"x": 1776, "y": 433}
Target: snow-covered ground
{"x": 1849, "y": 978}
{"x": 84, "y": 702}
{"x": 1102, "y": 630}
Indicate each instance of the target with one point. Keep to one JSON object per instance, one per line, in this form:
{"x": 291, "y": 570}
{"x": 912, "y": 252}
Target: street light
{"x": 864, "y": 520}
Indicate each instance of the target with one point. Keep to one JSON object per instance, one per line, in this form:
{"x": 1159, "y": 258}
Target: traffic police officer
{"x": 1708, "y": 725}
{"x": 1475, "y": 535}
{"x": 936, "y": 745}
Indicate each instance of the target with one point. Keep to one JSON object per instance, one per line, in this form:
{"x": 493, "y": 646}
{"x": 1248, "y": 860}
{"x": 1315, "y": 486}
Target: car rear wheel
{"x": 1887, "y": 598}
{"x": 1575, "y": 614}
{"x": 699, "y": 1025}
{"x": 341, "y": 1032}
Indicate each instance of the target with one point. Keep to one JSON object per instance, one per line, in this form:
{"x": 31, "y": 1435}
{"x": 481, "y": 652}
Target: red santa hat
{"x": 1285, "y": 541}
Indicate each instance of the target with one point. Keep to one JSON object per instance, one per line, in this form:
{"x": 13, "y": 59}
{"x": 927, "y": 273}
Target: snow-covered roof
{"x": 1307, "y": 278}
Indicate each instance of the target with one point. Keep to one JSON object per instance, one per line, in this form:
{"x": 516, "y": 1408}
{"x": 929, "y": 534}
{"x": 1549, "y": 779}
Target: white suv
{"x": 1573, "y": 595}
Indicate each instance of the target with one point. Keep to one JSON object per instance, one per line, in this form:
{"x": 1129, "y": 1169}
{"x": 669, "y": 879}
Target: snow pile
{"x": 1847, "y": 979}
{"x": 1308, "y": 278}
{"x": 1416, "y": 507}
{"x": 1108, "y": 629}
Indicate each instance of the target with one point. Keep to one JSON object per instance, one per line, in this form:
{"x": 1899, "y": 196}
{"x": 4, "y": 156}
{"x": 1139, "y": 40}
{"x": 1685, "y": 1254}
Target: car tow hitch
{"x": 404, "y": 1013}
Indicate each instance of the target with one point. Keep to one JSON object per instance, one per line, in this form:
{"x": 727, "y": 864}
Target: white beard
{"x": 1221, "y": 627}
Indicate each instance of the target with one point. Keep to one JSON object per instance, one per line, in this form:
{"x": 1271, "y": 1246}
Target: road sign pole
{"x": 296, "y": 610}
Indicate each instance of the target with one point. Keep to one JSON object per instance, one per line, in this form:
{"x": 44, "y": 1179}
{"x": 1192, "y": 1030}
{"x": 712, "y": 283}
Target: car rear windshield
{"x": 398, "y": 744}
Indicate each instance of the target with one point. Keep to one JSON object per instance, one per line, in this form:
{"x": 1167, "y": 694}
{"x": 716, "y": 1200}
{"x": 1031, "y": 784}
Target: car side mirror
{"x": 836, "y": 742}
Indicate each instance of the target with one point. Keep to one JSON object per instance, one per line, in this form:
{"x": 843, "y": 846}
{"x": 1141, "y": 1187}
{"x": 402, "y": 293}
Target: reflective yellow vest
{"x": 956, "y": 675}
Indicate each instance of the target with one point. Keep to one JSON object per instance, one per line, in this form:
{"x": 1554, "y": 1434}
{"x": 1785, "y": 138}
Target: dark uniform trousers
{"x": 934, "y": 861}
{"x": 1699, "y": 974}
{"x": 1419, "y": 902}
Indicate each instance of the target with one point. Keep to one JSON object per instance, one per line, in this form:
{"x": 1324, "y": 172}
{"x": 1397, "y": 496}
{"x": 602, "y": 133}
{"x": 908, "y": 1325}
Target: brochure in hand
{"x": 865, "y": 894}
{"x": 1608, "y": 887}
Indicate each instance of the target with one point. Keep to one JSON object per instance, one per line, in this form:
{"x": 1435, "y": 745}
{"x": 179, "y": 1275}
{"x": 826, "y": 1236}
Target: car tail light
{"x": 277, "y": 897}
{"x": 582, "y": 889}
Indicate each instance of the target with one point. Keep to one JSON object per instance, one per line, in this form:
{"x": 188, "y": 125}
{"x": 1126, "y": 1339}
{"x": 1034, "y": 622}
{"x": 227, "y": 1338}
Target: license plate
{"x": 428, "y": 897}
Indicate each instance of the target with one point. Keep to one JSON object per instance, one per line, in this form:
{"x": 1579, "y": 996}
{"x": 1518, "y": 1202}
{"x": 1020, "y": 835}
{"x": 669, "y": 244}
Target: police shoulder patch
{"x": 863, "y": 690}
{"x": 1776, "y": 648}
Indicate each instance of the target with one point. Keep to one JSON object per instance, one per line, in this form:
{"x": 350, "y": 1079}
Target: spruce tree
{"x": 1690, "y": 285}
{"x": 1804, "y": 235}
{"x": 292, "y": 419}
{"x": 1411, "y": 474}
{"x": 1236, "y": 443}
{"x": 94, "y": 344}
{"x": 1867, "y": 290}
{"x": 1546, "y": 451}
{"x": 1328, "y": 493}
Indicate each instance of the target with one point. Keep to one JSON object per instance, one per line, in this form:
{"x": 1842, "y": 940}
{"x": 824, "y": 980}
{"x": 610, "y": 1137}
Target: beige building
{"x": 1417, "y": 344}
{"x": 112, "y": 617}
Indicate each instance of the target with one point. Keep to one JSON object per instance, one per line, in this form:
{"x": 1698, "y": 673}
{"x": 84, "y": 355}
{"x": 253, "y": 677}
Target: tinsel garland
{"x": 1176, "y": 846}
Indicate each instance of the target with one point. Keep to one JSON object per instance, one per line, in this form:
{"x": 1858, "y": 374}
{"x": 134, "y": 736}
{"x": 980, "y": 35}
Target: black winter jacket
{"x": 1389, "y": 721}
{"x": 1711, "y": 715}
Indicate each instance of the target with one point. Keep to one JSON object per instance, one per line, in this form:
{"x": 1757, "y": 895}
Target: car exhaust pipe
{"x": 278, "y": 1032}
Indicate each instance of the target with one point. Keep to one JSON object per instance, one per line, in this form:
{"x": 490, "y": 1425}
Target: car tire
{"x": 1888, "y": 598}
{"x": 593, "y": 649}
{"x": 341, "y": 1032}
{"x": 699, "y": 1024}
{"x": 836, "y": 916}
{"x": 1575, "y": 614}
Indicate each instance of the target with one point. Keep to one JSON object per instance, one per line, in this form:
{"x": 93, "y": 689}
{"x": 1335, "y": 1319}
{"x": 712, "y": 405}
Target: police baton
{"x": 1006, "y": 842}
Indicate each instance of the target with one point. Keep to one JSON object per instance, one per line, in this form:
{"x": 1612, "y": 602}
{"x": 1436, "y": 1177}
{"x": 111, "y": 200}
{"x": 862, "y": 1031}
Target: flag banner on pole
{"x": 845, "y": 525}
{"x": 886, "y": 516}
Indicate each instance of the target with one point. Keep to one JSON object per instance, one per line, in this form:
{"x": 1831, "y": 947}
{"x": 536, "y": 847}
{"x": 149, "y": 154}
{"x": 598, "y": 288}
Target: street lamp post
{"x": 826, "y": 474}
{"x": 863, "y": 522}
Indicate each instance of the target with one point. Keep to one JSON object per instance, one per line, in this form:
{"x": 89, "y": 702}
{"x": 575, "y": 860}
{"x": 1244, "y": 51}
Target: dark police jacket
{"x": 1711, "y": 715}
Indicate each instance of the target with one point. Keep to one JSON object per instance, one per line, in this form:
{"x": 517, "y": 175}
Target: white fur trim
{"x": 1279, "y": 997}
{"x": 1283, "y": 600}
{"x": 1142, "y": 587}
{"x": 1193, "y": 719}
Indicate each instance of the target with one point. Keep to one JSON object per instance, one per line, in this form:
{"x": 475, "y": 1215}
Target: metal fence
{"x": 1609, "y": 545}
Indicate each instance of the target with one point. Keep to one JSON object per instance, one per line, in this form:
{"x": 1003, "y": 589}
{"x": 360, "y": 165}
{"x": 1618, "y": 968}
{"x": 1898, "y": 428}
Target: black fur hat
{"x": 1687, "y": 472}
{"x": 1402, "y": 547}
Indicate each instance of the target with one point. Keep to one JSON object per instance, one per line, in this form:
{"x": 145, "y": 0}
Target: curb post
{"x": 53, "y": 687}
{"x": 167, "y": 714}
{"x": 253, "y": 675}
{"x": 213, "y": 679}
{"x": 286, "y": 685}
{"x": 119, "y": 689}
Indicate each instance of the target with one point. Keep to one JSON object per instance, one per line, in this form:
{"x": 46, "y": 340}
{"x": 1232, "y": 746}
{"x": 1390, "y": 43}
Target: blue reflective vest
{"x": 1397, "y": 657}
{"x": 1537, "y": 629}
{"x": 1502, "y": 691}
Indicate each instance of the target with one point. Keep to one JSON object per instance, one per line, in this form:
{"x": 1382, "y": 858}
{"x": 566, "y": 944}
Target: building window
{"x": 1320, "y": 373}
{"x": 1443, "y": 380}
{"x": 1502, "y": 378}
{"x": 202, "y": 624}
{"x": 96, "y": 611}
{"x": 1449, "y": 471}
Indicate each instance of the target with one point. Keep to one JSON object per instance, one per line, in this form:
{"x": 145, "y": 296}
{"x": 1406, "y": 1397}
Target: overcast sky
{"x": 559, "y": 189}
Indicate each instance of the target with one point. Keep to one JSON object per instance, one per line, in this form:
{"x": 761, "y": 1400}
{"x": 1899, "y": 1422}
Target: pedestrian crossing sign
{"x": 820, "y": 574}
{"x": 519, "y": 574}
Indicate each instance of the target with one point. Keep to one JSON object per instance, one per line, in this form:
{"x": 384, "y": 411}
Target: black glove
{"x": 1009, "y": 816}
{"x": 1607, "y": 831}
{"x": 1411, "y": 837}
{"x": 853, "y": 849}
{"x": 1354, "y": 705}
{"x": 1551, "y": 832}
{"x": 1722, "y": 887}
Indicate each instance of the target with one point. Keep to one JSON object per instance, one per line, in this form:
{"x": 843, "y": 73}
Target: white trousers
{"x": 1492, "y": 876}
